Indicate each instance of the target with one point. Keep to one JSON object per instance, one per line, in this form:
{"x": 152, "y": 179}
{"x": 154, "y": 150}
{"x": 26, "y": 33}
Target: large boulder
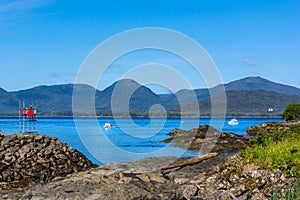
{"x": 205, "y": 137}
{"x": 33, "y": 157}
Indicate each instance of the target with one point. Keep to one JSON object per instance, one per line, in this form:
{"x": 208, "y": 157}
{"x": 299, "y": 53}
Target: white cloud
{"x": 249, "y": 62}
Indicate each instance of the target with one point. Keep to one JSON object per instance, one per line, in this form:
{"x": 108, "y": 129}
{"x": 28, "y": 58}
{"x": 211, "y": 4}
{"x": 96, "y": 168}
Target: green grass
{"x": 277, "y": 150}
{"x": 292, "y": 193}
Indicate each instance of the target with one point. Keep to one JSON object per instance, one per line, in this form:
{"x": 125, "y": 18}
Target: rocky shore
{"x": 32, "y": 157}
{"x": 73, "y": 176}
{"x": 216, "y": 178}
{"x": 270, "y": 127}
{"x": 205, "y": 135}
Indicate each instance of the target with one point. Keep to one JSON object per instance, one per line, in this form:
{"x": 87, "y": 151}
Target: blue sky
{"x": 44, "y": 42}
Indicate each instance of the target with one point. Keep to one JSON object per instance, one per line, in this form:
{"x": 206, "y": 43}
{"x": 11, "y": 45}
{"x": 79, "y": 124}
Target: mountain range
{"x": 250, "y": 96}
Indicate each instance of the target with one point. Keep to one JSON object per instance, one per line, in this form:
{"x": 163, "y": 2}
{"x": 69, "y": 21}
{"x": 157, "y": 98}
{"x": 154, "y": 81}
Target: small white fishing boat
{"x": 233, "y": 122}
{"x": 108, "y": 125}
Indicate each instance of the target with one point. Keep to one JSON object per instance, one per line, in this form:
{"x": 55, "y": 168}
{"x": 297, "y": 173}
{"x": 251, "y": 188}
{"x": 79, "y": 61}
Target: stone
{"x": 189, "y": 191}
{"x": 143, "y": 177}
{"x": 156, "y": 177}
{"x": 61, "y": 156}
{"x": 38, "y": 138}
{"x": 181, "y": 181}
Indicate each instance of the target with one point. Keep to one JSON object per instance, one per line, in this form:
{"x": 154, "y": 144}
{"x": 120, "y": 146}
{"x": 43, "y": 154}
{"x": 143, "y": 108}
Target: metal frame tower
{"x": 28, "y": 122}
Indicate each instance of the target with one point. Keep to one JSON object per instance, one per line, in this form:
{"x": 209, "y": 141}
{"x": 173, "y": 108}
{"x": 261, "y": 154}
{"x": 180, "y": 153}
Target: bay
{"x": 130, "y": 140}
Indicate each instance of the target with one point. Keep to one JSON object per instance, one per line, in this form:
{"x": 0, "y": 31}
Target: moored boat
{"x": 233, "y": 122}
{"x": 108, "y": 125}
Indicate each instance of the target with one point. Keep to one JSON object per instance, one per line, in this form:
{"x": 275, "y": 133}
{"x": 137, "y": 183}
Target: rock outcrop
{"x": 127, "y": 180}
{"x": 217, "y": 178}
{"x": 207, "y": 137}
{"x": 229, "y": 180}
{"x": 270, "y": 127}
{"x": 32, "y": 157}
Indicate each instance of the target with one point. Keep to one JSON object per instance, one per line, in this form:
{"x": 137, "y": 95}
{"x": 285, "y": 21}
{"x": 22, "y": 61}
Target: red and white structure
{"x": 270, "y": 110}
{"x": 28, "y": 119}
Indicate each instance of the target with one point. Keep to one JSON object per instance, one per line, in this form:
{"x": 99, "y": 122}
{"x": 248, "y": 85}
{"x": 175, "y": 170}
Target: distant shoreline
{"x": 142, "y": 117}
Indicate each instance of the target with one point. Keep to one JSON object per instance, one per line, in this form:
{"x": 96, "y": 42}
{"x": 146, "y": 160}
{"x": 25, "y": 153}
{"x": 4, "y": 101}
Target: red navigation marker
{"x": 270, "y": 110}
{"x": 30, "y": 112}
{"x": 28, "y": 119}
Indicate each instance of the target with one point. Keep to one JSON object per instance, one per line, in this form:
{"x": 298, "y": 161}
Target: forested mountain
{"x": 248, "y": 96}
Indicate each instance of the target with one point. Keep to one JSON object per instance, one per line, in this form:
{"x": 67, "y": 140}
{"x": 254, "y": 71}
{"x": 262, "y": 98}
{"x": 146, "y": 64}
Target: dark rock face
{"x": 205, "y": 136}
{"x": 32, "y": 157}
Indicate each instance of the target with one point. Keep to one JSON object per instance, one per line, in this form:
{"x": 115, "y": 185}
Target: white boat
{"x": 233, "y": 122}
{"x": 108, "y": 125}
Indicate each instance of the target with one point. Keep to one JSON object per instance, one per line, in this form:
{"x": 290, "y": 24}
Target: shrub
{"x": 291, "y": 112}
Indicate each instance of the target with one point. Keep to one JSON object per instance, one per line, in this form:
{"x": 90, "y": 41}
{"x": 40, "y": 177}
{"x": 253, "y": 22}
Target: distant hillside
{"x": 250, "y": 103}
{"x": 245, "y": 84}
{"x": 58, "y": 98}
{"x": 258, "y": 83}
{"x": 248, "y": 96}
{"x": 186, "y": 95}
{"x": 47, "y": 99}
{"x": 140, "y": 97}
{"x": 6, "y": 102}
{"x": 258, "y": 102}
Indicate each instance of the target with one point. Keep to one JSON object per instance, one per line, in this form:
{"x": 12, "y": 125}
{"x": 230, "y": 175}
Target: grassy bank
{"x": 276, "y": 150}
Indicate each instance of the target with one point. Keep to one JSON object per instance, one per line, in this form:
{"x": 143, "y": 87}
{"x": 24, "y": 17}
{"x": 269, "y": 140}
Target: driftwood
{"x": 191, "y": 161}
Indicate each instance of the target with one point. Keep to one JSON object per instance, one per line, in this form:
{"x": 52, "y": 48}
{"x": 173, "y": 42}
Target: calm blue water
{"x": 130, "y": 140}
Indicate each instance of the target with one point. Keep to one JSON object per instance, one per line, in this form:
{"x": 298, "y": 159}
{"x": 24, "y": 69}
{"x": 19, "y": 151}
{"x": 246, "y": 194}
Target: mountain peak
{"x": 259, "y": 83}
{"x": 254, "y": 79}
{"x": 127, "y": 83}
